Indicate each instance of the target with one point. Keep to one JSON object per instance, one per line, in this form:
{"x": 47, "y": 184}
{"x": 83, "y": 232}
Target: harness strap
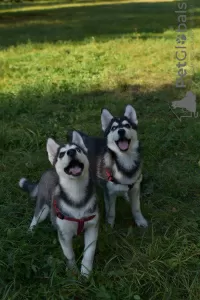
{"x": 109, "y": 175}
{"x": 111, "y": 178}
{"x": 80, "y": 222}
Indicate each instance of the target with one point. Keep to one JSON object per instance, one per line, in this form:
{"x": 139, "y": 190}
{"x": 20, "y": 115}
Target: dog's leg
{"x": 106, "y": 201}
{"x": 111, "y": 191}
{"x": 111, "y": 210}
{"x": 66, "y": 245}
{"x": 90, "y": 237}
{"x": 134, "y": 195}
{"x": 39, "y": 216}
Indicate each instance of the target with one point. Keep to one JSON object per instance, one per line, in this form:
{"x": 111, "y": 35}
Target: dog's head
{"x": 121, "y": 132}
{"x": 70, "y": 159}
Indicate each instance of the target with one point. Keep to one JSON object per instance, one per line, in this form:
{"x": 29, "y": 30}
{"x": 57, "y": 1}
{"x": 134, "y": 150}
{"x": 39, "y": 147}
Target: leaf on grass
{"x": 173, "y": 262}
{"x": 174, "y": 209}
{"x": 9, "y": 232}
{"x": 115, "y": 273}
{"x": 103, "y": 294}
{"x": 34, "y": 268}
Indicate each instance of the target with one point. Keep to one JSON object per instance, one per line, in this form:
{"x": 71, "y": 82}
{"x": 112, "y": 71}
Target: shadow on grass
{"x": 76, "y": 24}
{"x": 32, "y": 116}
{"x": 170, "y": 147}
{"x": 170, "y": 151}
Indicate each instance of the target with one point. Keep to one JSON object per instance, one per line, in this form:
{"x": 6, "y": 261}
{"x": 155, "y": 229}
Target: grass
{"x": 59, "y": 65}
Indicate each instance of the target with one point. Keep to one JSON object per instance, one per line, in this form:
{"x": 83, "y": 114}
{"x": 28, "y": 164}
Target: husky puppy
{"x": 67, "y": 193}
{"x": 116, "y": 159}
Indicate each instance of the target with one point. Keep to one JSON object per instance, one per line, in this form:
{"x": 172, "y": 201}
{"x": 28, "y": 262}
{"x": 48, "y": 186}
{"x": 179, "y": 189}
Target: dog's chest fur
{"x": 76, "y": 199}
{"x": 125, "y": 169}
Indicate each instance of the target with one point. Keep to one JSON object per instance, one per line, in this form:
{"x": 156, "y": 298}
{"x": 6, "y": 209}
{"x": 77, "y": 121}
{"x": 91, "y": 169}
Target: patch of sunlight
{"x": 54, "y": 6}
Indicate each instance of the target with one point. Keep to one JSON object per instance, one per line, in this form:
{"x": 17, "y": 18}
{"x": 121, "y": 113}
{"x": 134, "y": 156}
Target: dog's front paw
{"x": 141, "y": 222}
{"x": 31, "y": 230}
{"x": 86, "y": 270}
{"x": 86, "y": 267}
{"x": 71, "y": 264}
{"x": 110, "y": 221}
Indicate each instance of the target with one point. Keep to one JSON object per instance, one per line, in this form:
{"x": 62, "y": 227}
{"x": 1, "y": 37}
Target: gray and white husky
{"x": 116, "y": 159}
{"x": 67, "y": 193}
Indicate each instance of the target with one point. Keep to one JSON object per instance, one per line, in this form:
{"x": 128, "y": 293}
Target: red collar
{"x": 80, "y": 222}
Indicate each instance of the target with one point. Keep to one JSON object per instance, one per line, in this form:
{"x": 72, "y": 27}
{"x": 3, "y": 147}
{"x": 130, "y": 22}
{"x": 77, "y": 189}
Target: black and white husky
{"x": 67, "y": 193}
{"x": 116, "y": 159}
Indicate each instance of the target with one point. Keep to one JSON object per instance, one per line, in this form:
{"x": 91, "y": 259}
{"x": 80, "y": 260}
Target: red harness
{"x": 111, "y": 178}
{"x": 80, "y": 222}
{"x": 109, "y": 175}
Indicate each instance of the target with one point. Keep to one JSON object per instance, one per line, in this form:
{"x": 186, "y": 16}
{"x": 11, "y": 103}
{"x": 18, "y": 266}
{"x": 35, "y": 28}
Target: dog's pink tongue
{"x": 75, "y": 170}
{"x": 123, "y": 145}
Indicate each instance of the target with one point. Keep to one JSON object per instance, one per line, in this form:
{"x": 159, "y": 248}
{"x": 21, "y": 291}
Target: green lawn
{"x": 60, "y": 63}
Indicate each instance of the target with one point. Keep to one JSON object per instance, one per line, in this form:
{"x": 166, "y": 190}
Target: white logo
{"x": 187, "y": 103}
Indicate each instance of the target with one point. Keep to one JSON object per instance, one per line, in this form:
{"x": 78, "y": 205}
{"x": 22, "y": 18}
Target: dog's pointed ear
{"x": 77, "y": 139}
{"x": 106, "y": 118}
{"x": 69, "y": 135}
{"x": 130, "y": 113}
{"x": 52, "y": 149}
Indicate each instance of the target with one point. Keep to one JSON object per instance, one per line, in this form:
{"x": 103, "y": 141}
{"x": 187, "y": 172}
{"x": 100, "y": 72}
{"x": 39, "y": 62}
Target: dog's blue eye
{"x": 113, "y": 128}
{"x": 127, "y": 125}
{"x": 78, "y": 149}
{"x": 61, "y": 154}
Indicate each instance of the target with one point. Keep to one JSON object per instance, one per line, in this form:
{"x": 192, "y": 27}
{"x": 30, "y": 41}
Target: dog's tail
{"x": 29, "y": 187}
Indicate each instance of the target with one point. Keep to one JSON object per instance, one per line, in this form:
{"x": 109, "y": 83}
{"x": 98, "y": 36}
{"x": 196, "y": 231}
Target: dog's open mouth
{"x": 75, "y": 168}
{"x": 123, "y": 144}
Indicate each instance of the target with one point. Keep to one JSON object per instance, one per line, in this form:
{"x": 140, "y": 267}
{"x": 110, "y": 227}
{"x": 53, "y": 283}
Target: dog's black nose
{"x": 71, "y": 152}
{"x": 121, "y": 133}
